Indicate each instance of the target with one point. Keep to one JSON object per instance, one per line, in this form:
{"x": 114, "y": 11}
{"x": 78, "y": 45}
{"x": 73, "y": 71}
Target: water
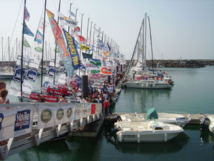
{"x": 193, "y": 93}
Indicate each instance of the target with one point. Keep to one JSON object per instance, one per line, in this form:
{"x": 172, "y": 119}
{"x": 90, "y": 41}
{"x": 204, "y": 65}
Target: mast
{"x": 145, "y": 37}
{"x": 8, "y": 47}
{"x": 129, "y": 65}
{"x": 55, "y": 51}
{"x": 2, "y": 43}
{"x": 87, "y": 28}
{"x": 69, "y": 17}
{"x": 22, "y": 49}
{"x": 43, "y": 44}
{"x": 93, "y": 40}
{"x": 150, "y": 31}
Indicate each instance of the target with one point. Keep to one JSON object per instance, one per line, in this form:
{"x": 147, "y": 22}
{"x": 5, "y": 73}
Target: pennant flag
{"x": 66, "y": 20}
{"x": 77, "y": 29}
{"x": 84, "y": 47}
{"x": 72, "y": 14}
{"x": 100, "y": 44}
{"x": 86, "y": 56}
{"x": 81, "y": 38}
{"x": 96, "y": 62}
{"x": 38, "y": 49}
{"x": 39, "y": 37}
{"x": 26, "y": 14}
{"x": 26, "y": 44}
{"x": 27, "y": 31}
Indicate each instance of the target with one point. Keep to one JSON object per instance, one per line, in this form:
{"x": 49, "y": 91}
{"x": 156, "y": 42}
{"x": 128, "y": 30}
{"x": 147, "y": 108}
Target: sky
{"x": 181, "y": 29}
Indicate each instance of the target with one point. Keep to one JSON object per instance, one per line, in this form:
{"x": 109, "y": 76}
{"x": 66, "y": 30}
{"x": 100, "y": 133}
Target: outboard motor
{"x": 204, "y": 123}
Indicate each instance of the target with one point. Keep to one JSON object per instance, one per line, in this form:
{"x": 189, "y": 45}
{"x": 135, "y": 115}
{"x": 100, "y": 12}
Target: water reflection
{"x": 64, "y": 150}
{"x": 146, "y": 98}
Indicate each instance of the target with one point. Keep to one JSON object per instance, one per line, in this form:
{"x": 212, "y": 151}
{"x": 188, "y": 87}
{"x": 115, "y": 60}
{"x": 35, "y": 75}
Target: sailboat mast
{"x": 22, "y": 49}
{"x": 129, "y": 65}
{"x": 55, "y": 51}
{"x": 69, "y": 17}
{"x": 151, "y": 43}
{"x": 145, "y": 36}
{"x": 43, "y": 44}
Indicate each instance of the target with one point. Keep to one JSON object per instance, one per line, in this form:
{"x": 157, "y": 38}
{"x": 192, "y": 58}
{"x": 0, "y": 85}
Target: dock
{"x": 25, "y": 125}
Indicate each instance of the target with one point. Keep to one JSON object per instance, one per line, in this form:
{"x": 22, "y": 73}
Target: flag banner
{"x": 66, "y": 20}
{"x": 86, "y": 56}
{"x": 27, "y": 31}
{"x": 100, "y": 44}
{"x": 38, "y": 37}
{"x": 84, "y": 47}
{"x": 38, "y": 49}
{"x": 96, "y": 62}
{"x": 77, "y": 29}
{"x": 81, "y": 38}
{"x": 57, "y": 34}
{"x": 106, "y": 71}
{"x": 72, "y": 14}
{"x": 26, "y": 44}
{"x": 31, "y": 74}
{"x": 26, "y": 14}
{"x": 17, "y": 75}
{"x": 106, "y": 53}
{"x": 72, "y": 49}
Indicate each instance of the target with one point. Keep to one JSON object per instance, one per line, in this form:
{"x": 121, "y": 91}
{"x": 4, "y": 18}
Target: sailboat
{"x": 138, "y": 74}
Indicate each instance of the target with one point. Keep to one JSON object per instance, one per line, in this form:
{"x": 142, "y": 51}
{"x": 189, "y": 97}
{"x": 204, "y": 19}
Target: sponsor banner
{"x": 23, "y": 120}
{"x": 1, "y": 119}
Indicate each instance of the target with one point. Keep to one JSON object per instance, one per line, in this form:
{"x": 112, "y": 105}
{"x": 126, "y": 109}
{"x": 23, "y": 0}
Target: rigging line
{"x": 19, "y": 11}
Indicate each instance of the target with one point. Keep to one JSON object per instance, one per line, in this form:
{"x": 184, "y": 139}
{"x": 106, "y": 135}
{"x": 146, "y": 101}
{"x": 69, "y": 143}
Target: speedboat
{"x": 146, "y": 131}
{"x": 177, "y": 119}
{"x": 211, "y": 124}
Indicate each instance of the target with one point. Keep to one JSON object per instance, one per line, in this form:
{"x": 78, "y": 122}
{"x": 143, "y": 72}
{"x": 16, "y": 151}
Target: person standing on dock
{"x": 106, "y": 106}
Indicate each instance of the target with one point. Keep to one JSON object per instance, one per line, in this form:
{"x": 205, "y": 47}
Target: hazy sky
{"x": 180, "y": 28}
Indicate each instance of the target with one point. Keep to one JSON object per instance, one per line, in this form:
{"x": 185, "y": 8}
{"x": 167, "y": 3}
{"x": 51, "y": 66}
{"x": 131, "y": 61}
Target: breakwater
{"x": 184, "y": 63}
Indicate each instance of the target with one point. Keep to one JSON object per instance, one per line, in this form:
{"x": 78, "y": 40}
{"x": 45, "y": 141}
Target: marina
{"x": 76, "y": 85}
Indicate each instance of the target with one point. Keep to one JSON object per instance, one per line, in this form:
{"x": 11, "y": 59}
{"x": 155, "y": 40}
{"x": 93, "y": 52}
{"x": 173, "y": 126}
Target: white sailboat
{"x": 139, "y": 75}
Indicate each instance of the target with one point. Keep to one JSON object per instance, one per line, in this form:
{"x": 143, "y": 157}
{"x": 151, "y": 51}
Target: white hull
{"x": 211, "y": 126}
{"x": 147, "y": 85}
{"x": 147, "y": 131}
{"x": 147, "y": 136}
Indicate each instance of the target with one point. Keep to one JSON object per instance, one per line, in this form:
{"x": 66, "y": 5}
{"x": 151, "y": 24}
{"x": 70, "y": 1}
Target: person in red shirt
{"x": 106, "y": 105}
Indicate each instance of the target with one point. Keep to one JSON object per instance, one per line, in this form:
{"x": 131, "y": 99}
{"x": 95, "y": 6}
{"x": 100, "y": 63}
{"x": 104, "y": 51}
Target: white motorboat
{"x": 211, "y": 125}
{"x": 177, "y": 119}
{"x": 146, "y": 131}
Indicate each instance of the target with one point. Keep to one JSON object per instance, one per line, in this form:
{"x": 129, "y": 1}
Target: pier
{"x": 25, "y": 125}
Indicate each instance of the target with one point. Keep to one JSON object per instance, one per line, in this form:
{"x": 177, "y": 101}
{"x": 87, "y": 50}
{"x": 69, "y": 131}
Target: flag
{"x": 81, "y": 38}
{"x": 38, "y": 49}
{"x": 72, "y": 14}
{"x": 84, "y": 47}
{"x": 72, "y": 49}
{"x": 96, "y": 62}
{"x": 66, "y": 20}
{"x": 77, "y": 29}
{"x": 27, "y": 31}
{"x": 26, "y": 44}
{"x": 26, "y": 14}
{"x": 39, "y": 37}
{"x": 86, "y": 56}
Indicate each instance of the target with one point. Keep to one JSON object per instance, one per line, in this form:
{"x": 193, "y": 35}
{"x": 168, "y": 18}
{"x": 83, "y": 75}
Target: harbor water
{"x": 193, "y": 92}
